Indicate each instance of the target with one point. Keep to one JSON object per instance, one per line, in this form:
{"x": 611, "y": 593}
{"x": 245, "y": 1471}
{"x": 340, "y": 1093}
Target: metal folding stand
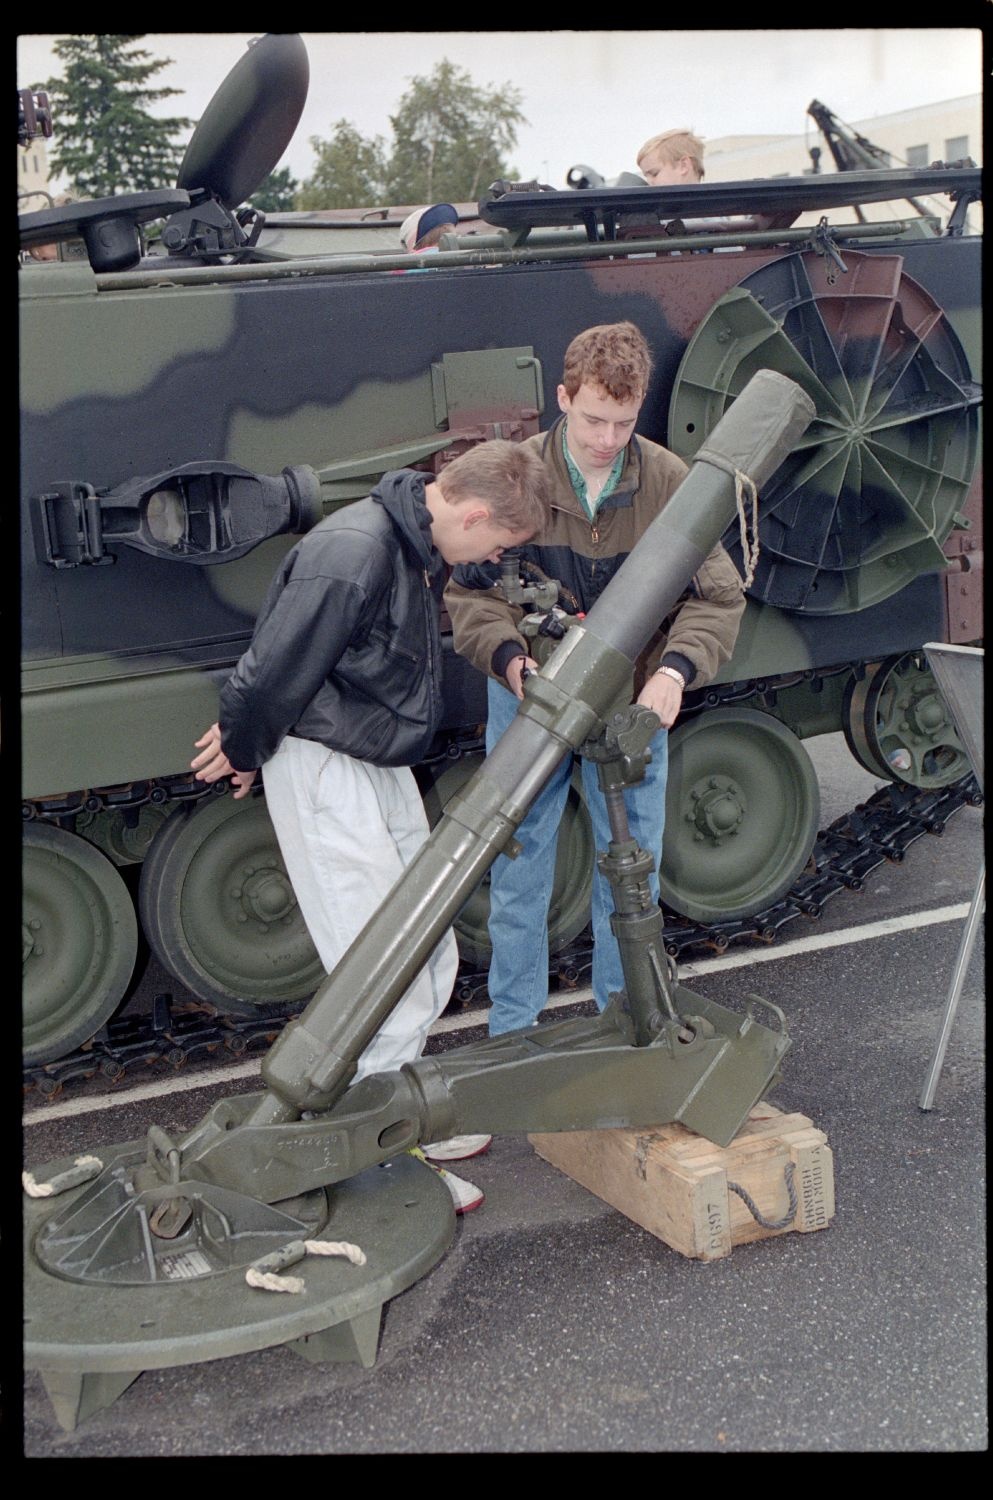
{"x": 958, "y": 671}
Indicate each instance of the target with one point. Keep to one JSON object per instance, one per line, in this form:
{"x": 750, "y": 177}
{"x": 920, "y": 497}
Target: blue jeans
{"x": 521, "y": 888}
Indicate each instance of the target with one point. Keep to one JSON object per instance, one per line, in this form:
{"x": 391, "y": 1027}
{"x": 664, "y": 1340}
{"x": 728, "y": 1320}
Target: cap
{"x": 421, "y": 222}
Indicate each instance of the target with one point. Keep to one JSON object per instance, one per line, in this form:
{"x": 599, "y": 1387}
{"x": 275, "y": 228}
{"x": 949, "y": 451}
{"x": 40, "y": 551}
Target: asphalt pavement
{"x": 554, "y": 1324}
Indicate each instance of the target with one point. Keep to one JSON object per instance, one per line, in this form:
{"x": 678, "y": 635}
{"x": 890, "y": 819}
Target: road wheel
{"x": 79, "y": 939}
{"x": 742, "y": 813}
{"x": 897, "y": 724}
{"x": 219, "y": 911}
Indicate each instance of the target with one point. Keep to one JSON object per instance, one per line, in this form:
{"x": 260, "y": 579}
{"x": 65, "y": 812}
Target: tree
{"x": 276, "y": 193}
{"x": 349, "y": 173}
{"x": 107, "y": 142}
{"x": 450, "y": 140}
{"x": 451, "y": 137}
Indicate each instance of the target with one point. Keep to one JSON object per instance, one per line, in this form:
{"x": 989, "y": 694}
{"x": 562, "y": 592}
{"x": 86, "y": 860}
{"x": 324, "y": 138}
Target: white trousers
{"x": 347, "y": 831}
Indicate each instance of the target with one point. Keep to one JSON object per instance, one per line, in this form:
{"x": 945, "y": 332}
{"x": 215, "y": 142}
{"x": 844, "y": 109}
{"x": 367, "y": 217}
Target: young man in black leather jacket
{"x": 339, "y": 693}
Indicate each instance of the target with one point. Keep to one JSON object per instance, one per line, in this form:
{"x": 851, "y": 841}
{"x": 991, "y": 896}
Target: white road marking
{"x": 737, "y": 960}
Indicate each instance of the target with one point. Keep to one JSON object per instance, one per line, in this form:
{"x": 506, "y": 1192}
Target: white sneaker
{"x": 457, "y": 1148}
{"x": 465, "y": 1195}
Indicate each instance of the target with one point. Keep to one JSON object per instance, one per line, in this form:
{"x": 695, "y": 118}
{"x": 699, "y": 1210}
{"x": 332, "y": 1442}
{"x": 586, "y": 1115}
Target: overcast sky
{"x": 590, "y": 97}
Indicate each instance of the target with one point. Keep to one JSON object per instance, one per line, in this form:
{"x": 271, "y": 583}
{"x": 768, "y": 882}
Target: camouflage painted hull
{"x": 356, "y": 372}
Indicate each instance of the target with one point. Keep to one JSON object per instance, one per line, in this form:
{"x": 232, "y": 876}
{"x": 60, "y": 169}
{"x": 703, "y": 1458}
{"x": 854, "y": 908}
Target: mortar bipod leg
{"x": 621, "y": 754}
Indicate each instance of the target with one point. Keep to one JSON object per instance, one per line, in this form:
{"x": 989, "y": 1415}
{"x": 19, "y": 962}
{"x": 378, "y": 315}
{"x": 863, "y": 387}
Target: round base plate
{"x": 400, "y": 1214}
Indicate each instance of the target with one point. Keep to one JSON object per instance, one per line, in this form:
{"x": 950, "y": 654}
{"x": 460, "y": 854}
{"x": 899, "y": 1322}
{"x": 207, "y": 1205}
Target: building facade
{"x": 33, "y": 191}
{"x": 948, "y": 131}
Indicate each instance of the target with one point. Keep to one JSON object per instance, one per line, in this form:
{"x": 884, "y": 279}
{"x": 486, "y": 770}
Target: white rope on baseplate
{"x": 268, "y": 1281}
{"x": 263, "y": 1274}
{"x": 84, "y": 1170}
{"x": 336, "y": 1247}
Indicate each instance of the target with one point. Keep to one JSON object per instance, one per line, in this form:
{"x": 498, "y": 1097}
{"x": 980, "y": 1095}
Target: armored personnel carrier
{"x": 189, "y": 406}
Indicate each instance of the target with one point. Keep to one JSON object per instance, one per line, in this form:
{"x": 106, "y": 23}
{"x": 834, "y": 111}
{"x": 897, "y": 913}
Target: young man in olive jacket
{"x": 606, "y": 487}
{"x": 339, "y": 694}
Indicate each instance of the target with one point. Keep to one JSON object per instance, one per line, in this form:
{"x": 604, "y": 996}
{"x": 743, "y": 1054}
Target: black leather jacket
{"x": 347, "y": 645}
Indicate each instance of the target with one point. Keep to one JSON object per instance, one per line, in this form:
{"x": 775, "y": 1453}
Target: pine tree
{"x": 275, "y": 194}
{"x": 106, "y": 141}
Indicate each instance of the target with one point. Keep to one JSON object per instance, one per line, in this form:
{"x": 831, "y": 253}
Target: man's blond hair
{"x": 510, "y": 480}
{"x": 672, "y": 146}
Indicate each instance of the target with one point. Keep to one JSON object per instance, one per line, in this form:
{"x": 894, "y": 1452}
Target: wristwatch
{"x": 671, "y": 672}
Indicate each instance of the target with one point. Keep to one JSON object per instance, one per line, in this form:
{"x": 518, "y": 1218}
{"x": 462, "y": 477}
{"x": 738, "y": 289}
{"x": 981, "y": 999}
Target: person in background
{"x": 50, "y": 251}
{"x": 672, "y": 159}
{"x": 422, "y": 229}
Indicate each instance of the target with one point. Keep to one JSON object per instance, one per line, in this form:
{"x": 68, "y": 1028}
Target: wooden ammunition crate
{"x": 677, "y": 1185}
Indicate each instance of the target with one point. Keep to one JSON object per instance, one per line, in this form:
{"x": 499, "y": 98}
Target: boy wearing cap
{"x": 422, "y": 229}
{"x": 606, "y": 487}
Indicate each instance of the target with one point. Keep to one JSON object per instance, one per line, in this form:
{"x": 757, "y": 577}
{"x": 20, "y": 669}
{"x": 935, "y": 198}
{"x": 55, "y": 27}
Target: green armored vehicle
{"x": 186, "y": 413}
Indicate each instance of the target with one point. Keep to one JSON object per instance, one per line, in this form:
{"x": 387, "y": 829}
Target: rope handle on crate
{"x": 759, "y": 1218}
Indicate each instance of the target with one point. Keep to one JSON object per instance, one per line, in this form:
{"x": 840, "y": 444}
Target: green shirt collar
{"x": 579, "y": 483}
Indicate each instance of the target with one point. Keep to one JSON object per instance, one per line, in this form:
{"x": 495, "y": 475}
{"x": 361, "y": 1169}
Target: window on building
{"x": 917, "y": 156}
{"x": 956, "y": 147}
